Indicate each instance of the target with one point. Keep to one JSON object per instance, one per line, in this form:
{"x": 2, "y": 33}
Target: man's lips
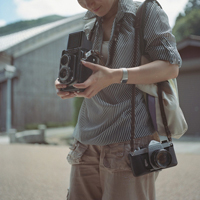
{"x": 95, "y": 10}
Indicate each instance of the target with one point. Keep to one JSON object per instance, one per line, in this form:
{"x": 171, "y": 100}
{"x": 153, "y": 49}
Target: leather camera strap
{"x": 139, "y": 40}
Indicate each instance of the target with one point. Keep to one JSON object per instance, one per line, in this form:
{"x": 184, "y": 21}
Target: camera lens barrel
{"x": 161, "y": 158}
{"x": 64, "y": 74}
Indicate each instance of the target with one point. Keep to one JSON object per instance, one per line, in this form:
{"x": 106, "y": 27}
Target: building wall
{"x": 189, "y": 83}
{"x": 34, "y": 95}
{"x": 189, "y": 93}
{"x": 190, "y": 52}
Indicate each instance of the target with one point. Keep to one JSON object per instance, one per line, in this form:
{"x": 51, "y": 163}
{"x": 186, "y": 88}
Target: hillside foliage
{"x": 23, "y": 25}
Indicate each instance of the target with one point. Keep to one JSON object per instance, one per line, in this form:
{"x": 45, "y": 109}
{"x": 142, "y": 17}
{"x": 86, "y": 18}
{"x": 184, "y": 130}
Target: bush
{"x": 77, "y": 105}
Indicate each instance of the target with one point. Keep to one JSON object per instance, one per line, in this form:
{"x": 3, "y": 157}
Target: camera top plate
{"x": 140, "y": 151}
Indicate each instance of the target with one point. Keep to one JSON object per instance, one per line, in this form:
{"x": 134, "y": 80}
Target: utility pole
{"x": 9, "y": 73}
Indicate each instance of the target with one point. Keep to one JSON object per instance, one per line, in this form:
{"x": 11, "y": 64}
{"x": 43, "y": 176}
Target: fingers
{"x": 59, "y": 85}
{"x": 72, "y": 95}
{"x": 88, "y": 93}
{"x": 90, "y": 65}
{"x": 62, "y": 94}
{"x": 66, "y": 95}
{"x": 85, "y": 84}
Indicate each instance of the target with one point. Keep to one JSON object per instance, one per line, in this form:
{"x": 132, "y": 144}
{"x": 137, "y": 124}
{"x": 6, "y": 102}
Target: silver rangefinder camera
{"x": 155, "y": 157}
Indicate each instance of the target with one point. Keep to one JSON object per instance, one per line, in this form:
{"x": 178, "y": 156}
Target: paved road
{"x": 60, "y": 136}
{"x": 41, "y": 172}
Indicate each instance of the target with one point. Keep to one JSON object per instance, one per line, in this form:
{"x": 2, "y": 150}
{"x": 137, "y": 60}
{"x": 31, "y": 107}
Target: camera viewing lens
{"x": 64, "y": 59}
{"x": 162, "y": 158}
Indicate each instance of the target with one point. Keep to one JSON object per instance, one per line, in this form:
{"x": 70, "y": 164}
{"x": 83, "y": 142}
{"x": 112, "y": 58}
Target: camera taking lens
{"x": 64, "y": 73}
{"x": 158, "y": 156}
{"x": 161, "y": 158}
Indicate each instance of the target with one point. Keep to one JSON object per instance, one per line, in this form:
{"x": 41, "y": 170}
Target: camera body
{"x": 155, "y": 157}
{"x": 71, "y": 70}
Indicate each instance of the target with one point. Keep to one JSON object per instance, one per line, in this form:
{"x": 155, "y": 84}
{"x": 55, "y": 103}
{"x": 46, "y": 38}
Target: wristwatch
{"x": 124, "y": 76}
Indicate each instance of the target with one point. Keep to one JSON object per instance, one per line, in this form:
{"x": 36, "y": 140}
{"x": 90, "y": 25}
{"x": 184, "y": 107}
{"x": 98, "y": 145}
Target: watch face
{"x": 124, "y": 81}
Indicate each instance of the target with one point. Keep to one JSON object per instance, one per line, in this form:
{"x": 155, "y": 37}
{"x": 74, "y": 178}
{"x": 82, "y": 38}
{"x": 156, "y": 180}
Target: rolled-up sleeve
{"x": 160, "y": 43}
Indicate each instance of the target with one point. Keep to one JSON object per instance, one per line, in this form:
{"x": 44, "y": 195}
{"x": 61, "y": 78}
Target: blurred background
{"x": 33, "y": 34}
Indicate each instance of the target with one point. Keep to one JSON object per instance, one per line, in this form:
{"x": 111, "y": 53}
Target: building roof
{"x": 15, "y": 38}
{"x": 11, "y": 40}
{"x": 192, "y": 40}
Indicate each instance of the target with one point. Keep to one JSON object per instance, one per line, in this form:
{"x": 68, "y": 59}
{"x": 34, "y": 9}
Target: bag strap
{"x": 139, "y": 34}
{"x": 162, "y": 110}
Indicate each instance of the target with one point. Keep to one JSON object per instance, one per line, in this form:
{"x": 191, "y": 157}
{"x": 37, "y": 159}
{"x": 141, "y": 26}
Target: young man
{"x": 99, "y": 156}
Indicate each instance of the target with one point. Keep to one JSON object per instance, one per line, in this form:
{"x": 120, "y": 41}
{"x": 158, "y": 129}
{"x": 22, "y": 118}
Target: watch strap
{"x": 124, "y": 76}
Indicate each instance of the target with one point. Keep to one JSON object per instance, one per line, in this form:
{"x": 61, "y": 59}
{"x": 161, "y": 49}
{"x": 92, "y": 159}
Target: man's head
{"x": 99, "y": 7}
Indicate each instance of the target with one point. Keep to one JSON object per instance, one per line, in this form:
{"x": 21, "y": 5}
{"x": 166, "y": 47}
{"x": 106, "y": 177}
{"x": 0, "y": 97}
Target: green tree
{"x": 187, "y": 23}
{"x": 192, "y": 4}
{"x": 24, "y": 25}
{"x": 181, "y": 15}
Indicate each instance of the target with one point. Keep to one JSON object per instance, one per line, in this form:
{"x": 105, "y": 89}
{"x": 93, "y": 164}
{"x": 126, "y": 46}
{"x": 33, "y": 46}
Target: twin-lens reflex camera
{"x": 71, "y": 70}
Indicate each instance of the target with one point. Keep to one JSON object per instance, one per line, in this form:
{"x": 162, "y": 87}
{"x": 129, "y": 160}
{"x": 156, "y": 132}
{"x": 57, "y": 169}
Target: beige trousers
{"x": 104, "y": 173}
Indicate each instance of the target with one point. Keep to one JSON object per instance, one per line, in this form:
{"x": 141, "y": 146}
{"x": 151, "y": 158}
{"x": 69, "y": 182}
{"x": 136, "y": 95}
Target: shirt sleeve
{"x": 160, "y": 43}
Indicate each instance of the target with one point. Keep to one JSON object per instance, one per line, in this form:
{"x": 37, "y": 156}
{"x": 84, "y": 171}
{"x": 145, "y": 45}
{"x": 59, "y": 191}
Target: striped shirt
{"x": 106, "y": 117}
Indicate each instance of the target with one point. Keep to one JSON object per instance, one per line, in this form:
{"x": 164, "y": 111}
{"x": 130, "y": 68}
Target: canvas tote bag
{"x": 174, "y": 116}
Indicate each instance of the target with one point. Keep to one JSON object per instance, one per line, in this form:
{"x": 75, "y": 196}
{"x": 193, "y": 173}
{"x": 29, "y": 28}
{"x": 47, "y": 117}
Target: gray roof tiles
{"x": 10, "y": 40}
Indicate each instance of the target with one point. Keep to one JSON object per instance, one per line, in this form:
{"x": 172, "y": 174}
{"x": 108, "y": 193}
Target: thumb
{"x": 85, "y": 84}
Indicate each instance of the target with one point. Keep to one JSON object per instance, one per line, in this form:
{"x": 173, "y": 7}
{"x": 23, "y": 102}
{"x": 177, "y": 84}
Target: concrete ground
{"x": 41, "y": 172}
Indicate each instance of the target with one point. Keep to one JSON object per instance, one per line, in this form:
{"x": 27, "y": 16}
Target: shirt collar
{"x": 124, "y": 6}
